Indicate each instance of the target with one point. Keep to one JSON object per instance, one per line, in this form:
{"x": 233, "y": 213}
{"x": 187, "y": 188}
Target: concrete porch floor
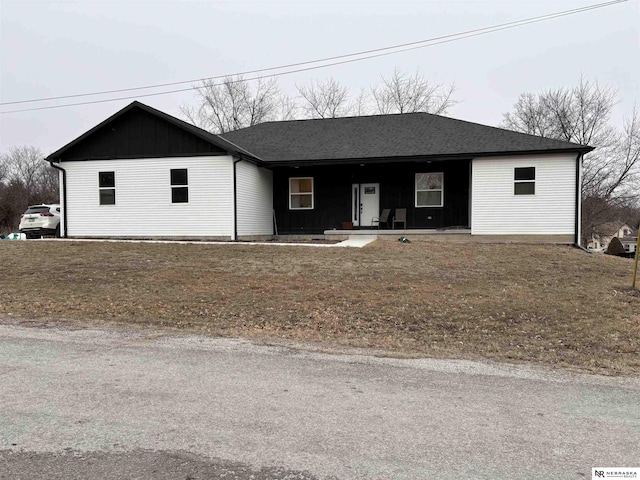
{"x": 437, "y": 235}
{"x": 452, "y": 235}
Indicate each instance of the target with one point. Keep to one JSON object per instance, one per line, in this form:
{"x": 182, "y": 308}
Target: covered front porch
{"x": 430, "y": 195}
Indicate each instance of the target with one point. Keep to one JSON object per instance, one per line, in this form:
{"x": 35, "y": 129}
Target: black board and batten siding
{"x": 139, "y": 134}
{"x": 333, "y": 196}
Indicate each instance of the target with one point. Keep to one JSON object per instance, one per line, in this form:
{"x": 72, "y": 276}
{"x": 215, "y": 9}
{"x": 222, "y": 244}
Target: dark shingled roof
{"x": 386, "y": 137}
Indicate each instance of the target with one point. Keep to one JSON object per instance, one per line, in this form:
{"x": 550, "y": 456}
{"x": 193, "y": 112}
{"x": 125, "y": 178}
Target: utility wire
{"x": 363, "y": 55}
{"x": 338, "y": 57}
{"x": 398, "y": 46}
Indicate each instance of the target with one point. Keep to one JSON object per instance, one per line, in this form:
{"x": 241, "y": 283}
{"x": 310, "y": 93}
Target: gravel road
{"x": 142, "y": 404}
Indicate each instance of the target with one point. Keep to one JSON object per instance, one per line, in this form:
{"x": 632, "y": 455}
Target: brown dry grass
{"x": 549, "y": 305}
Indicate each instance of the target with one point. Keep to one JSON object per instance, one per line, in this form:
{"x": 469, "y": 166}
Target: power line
{"x": 326, "y": 59}
{"x": 363, "y": 55}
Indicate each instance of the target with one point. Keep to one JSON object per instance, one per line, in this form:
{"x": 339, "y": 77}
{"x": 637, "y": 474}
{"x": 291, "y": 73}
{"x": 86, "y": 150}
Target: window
{"x": 524, "y": 181}
{"x": 429, "y": 189}
{"x": 107, "y": 187}
{"x": 301, "y": 193}
{"x": 179, "y": 185}
{"x": 37, "y": 209}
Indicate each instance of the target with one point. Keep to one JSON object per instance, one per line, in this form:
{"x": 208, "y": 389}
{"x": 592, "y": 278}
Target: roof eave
{"x": 418, "y": 158}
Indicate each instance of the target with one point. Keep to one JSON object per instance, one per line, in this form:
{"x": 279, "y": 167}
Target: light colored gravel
{"x": 342, "y": 414}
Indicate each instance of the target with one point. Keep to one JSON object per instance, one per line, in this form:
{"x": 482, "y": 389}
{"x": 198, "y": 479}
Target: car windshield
{"x": 37, "y": 209}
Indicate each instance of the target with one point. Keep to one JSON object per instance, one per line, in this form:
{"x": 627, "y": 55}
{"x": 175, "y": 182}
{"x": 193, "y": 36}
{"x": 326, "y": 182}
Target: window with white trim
{"x": 301, "y": 193}
{"x": 107, "y": 188}
{"x": 430, "y": 189}
{"x": 524, "y": 181}
{"x": 179, "y": 185}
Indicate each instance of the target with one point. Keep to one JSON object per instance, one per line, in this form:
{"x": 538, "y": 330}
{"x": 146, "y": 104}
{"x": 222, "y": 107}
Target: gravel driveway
{"x": 107, "y": 403}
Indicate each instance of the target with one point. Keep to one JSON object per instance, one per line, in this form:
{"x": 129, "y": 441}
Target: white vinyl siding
{"x": 254, "y": 187}
{"x": 497, "y": 210}
{"x": 143, "y": 198}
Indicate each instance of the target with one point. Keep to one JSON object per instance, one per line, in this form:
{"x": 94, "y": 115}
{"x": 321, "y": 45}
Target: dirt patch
{"x": 550, "y": 305}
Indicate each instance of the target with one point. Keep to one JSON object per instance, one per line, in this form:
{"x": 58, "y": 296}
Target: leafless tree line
{"x": 582, "y": 114}
{"x": 25, "y": 179}
{"x": 236, "y": 103}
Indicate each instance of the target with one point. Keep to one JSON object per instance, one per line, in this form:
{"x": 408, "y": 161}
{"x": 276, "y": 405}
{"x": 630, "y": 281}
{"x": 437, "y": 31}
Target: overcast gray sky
{"x": 54, "y": 48}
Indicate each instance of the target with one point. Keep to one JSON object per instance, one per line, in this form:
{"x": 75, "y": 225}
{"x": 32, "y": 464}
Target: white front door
{"x": 365, "y": 203}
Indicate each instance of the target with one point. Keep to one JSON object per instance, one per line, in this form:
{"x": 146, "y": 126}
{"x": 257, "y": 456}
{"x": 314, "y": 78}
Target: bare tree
{"x": 234, "y": 104}
{"x": 582, "y": 115}
{"x": 26, "y": 166}
{"x": 3, "y": 170}
{"x": 615, "y": 173}
{"x": 361, "y": 105}
{"x": 326, "y": 99}
{"x": 402, "y": 93}
{"x": 288, "y": 108}
{"x": 238, "y": 103}
{"x": 25, "y": 178}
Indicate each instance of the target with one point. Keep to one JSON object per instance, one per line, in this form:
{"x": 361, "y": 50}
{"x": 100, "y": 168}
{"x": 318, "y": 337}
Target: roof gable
{"x": 387, "y": 137}
{"x": 611, "y": 228}
{"x": 139, "y": 131}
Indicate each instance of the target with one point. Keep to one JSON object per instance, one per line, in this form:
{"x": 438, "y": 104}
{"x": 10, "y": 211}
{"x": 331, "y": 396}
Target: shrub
{"x": 615, "y": 247}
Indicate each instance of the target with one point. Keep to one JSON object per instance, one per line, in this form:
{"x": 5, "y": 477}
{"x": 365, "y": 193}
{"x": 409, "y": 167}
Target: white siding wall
{"x": 143, "y": 198}
{"x": 255, "y": 199}
{"x": 495, "y": 210}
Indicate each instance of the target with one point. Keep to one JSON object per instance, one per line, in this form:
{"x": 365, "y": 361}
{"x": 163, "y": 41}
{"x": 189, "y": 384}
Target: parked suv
{"x": 41, "y": 220}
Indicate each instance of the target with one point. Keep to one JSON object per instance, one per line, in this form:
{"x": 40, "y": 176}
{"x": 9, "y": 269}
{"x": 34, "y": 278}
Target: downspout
{"x": 235, "y": 201}
{"x": 64, "y": 195}
{"x": 578, "y": 227}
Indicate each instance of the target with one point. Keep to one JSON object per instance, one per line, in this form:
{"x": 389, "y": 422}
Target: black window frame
{"x": 524, "y": 181}
{"x": 107, "y": 187}
{"x": 37, "y": 209}
{"x": 179, "y": 180}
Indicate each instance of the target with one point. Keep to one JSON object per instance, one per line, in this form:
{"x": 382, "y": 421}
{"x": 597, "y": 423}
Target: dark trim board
{"x": 578, "y": 198}
{"x": 417, "y": 158}
{"x": 332, "y": 194}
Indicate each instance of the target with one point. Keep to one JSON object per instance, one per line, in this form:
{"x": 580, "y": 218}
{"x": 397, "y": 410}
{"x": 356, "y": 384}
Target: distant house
{"x": 630, "y": 243}
{"x": 602, "y": 235}
{"x": 143, "y": 173}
